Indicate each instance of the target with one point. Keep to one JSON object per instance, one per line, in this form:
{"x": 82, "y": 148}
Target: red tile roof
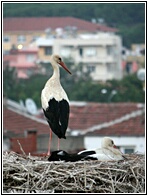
{"x": 10, "y": 57}
{"x": 17, "y": 122}
{"x": 19, "y": 60}
{"x": 21, "y": 74}
{"x": 25, "y": 65}
{"x": 134, "y": 126}
{"x": 42, "y": 23}
{"x": 84, "y": 117}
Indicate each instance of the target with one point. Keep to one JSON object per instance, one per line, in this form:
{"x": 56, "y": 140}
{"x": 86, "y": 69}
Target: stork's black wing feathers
{"x": 57, "y": 115}
{"x": 87, "y": 153}
{"x": 60, "y": 155}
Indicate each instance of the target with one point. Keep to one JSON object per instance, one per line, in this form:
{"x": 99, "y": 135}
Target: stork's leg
{"x": 58, "y": 144}
{"x": 49, "y": 144}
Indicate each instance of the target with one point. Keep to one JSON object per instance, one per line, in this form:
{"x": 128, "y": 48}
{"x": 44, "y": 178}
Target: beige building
{"x": 95, "y": 46}
{"x": 20, "y": 32}
{"x": 17, "y": 40}
{"x": 99, "y": 54}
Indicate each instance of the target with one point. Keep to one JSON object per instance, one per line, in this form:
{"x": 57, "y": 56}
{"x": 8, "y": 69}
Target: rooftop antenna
{"x": 31, "y": 106}
{"x": 141, "y": 74}
{"x": 22, "y": 105}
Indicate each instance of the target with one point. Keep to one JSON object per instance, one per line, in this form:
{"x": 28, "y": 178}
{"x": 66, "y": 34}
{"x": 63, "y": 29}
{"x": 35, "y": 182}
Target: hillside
{"x": 129, "y": 18}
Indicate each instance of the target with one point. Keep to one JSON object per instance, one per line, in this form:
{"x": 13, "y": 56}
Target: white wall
{"x": 6, "y": 144}
{"x": 138, "y": 143}
{"x": 101, "y": 56}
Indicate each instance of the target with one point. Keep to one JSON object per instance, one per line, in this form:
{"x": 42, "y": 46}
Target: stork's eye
{"x": 60, "y": 59}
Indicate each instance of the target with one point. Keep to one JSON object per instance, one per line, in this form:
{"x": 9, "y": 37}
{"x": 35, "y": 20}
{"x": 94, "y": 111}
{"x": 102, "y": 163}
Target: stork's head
{"x": 56, "y": 59}
{"x": 108, "y": 143}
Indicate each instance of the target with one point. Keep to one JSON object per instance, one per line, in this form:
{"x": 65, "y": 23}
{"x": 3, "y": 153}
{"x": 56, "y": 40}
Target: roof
{"x": 21, "y": 74}
{"x": 87, "y": 118}
{"x": 17, "y": 122}
{"x": 42, "y": 23}
{"x": 108, "y": 119}
{"x": 19, "y": 59}
{"x": 133, "y": 126}
{"x": 10, "y": 57}
{"x": 23, "y": 64}
{"x": 89, "y": 114}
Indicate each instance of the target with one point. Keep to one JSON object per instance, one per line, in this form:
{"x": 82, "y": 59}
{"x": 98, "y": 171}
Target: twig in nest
{"x": 21, "y": 148}
{"x": 38, "y": 175}
{"x": 84, "y": 175}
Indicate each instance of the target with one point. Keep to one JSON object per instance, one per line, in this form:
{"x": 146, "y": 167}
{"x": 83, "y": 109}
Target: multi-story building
{"x": 23, "y": 31}
{"x": 96, "y": 47}
{"x": 24, "y": 62}
{"x": 99, "y": 54}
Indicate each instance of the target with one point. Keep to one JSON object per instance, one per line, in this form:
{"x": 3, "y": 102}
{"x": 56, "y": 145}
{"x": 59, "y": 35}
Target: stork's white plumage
{"x": 54, "y": 100}
{"x": 107, "y": 152}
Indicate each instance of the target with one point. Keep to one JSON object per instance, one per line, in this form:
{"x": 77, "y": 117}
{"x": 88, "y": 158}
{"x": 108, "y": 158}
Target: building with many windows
{"x": 99, "y": 54}
{"x": 23, "y": 31}
{"x": 96, "y": 47}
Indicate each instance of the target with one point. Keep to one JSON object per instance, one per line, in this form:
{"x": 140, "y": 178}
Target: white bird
{"x": 55, "y": 102}
{"x": 107, "y": 152}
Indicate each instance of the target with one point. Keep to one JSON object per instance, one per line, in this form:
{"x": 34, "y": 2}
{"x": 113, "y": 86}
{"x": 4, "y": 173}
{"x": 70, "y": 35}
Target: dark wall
{"x": 70, "y": 144}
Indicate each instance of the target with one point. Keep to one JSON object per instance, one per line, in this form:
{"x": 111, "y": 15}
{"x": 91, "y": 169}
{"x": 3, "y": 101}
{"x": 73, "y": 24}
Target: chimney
{"x": 31, "y": 134}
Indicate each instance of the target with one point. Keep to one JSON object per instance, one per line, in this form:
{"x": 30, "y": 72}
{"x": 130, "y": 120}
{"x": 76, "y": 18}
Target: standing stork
{"x": 55, "y": 102}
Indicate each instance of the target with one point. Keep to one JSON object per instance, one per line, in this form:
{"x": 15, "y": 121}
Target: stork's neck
{"x": 56, "y": 72}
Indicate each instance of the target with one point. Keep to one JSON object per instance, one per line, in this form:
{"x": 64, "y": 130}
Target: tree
{"x": 79, "y": 86}
{"x": 129, "y": 18}
{"x": 10, "y": 84}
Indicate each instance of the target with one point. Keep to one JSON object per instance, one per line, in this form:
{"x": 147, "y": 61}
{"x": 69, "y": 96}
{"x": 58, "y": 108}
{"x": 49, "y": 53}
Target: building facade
{"x": 88, "y": 124}
{"x": 96, "y": 47}
{"x": 100, "y": 54}
{"x": 23, "y": 30}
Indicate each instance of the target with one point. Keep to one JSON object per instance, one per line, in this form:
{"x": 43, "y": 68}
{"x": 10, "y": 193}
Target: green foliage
{"x": 78, "y": 87}
{"x": 9, "y": 83}
{"x": 133, "y": 34}
{"x": 129, "y": 18}
{"x": 118, "y": 13}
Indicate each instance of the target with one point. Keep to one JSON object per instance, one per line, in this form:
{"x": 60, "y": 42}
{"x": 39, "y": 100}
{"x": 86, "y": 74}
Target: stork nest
{"x": 29, "y": 174}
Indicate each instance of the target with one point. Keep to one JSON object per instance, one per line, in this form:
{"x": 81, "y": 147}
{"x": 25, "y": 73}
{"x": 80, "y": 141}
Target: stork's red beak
{"x": 64, "y": 66}
{"x": 114, "y": 146}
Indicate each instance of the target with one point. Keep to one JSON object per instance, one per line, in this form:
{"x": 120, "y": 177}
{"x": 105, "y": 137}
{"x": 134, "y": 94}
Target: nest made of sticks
{"x": 28, "y": 174}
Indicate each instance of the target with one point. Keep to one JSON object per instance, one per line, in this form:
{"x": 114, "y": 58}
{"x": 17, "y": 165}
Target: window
{"x": 81, "y": 51}
{"x": 65, "y": 51}
{"x": 30, "y": 58}
{"x": 35, "y": 38}
{"x": 48, "y": 50}
{"x": 90, "y": 52}
{"x": 110, "y": 67}
{"x": 6, "y": 52}
{"x": 128, "y": 67}
{"x": 128, "y": 150}
{"x": 21, "y": 38}
{"x": 6, "y": 38}
{"x": 91, "y": 68}
{"x": 110, "y": 50}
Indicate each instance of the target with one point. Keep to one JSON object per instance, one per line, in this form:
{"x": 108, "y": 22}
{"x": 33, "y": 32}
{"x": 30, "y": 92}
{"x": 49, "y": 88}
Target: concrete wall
{"x": 132, "y": 142}
{"x": 75, "y": 143}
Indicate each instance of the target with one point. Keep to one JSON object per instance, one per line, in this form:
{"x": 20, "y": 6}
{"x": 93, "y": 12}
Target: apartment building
{"x": 99, "y": 54}
{"x": 23, "y": 31}
{"x": 96, "y": 47}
